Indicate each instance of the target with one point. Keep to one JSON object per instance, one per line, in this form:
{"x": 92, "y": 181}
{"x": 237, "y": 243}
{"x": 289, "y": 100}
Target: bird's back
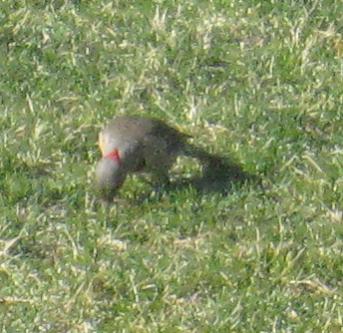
{"x": 128, "y": 132}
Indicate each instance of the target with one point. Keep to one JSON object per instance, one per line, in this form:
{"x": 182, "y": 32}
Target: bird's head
{"x": 110, "y": 175}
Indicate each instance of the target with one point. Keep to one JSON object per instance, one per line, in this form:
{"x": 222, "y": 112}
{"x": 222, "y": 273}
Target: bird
{"x": 133, "y": 143}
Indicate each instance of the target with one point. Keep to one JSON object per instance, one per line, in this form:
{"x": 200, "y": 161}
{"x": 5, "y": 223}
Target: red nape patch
{"x": 113, "y": 155}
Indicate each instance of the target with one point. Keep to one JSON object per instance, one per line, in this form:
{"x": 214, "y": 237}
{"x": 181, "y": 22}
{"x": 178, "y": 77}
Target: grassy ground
{"x": 260, "y": 82}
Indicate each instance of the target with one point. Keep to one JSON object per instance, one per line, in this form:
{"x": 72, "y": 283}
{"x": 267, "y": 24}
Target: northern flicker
{"x": 131, "y": 144}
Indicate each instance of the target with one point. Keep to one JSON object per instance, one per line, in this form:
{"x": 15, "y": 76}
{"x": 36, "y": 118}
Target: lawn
{"x": 258, "y": 82}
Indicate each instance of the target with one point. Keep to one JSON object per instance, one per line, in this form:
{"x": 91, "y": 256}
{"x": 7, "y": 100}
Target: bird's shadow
{"x": 220, "y": 175}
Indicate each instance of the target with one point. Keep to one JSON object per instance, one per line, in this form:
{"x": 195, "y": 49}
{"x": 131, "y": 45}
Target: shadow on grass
{"x": 219, "y": 175}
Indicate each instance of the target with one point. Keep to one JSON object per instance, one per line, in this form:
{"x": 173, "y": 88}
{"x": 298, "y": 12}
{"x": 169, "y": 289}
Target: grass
{"x": 259, "y": 82}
